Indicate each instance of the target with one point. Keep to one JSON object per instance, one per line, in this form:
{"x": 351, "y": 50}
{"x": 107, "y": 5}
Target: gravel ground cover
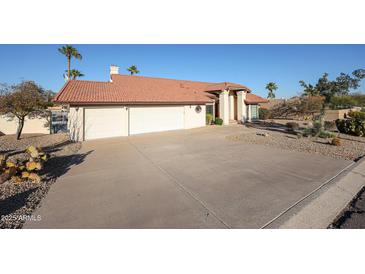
{"x": 18, "y": 201}
{"x": 354, "y": 214}
{"x": 352, "y": 147}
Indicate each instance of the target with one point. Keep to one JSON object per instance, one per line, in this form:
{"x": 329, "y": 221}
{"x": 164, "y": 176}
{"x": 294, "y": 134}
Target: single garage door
{"x": 154, "y": 119}
{"x": 105, "y": 122}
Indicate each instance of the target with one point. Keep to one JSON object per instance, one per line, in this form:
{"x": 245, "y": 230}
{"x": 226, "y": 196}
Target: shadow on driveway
{"x": 29, "y": 196}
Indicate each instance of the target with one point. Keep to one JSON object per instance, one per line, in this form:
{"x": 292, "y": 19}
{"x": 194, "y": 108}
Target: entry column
{"x": 241, "y": 106}
{"x": 224, "y": 107}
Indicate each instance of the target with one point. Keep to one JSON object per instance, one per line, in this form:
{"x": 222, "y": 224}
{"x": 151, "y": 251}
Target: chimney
{"x": 114, "y": 69}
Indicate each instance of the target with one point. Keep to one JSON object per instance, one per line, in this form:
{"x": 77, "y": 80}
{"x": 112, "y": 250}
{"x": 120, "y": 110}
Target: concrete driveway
{"x": 183, "y": 179}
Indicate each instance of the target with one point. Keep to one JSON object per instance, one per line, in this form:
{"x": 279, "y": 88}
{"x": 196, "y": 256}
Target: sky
{"x": 251, "y": 65}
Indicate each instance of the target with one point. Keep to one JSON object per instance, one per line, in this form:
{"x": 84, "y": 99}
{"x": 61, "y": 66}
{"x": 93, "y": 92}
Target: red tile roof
{"x": 254, "y": 99}
{"x": 225, "y": 86}
{"x": 140, "y": 90}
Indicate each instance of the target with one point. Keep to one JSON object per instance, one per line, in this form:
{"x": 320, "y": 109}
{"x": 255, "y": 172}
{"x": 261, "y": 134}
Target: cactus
{"x": 34, "y": 177}
{"x": 10, "y": 164}
{"x": 23, "y": 171}
{"x": 2, "y": 159}
{"x": 32, "y": 151}
{"x": 25, "y": 174}
{"x": 31, "y": 165}
{"x": 16, "y": 179}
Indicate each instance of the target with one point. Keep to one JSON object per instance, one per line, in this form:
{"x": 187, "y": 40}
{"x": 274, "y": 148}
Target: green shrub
{"x": 209, "y": 118}
{"x": 326, "y": 134}
{"x": 292, "y": 126}
{"x": 218, "y": 121}
{"x": 352, "y": 126}
{"x": 264, "y": 113}
{"x": 357, "y": 115}
{"x": 307, "y": 132}
{"x": 317, "y": 125}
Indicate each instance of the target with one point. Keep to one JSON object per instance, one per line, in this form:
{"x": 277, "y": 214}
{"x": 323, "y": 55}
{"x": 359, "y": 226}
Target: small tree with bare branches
{"x": 26, "y": 99}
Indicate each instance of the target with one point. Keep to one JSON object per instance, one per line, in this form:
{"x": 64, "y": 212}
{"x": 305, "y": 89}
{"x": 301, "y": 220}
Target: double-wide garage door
{"x": 154, "y": 119}
{"x": 121, "y": 121}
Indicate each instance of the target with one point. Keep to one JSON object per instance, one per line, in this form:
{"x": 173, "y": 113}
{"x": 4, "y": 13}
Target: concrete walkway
{"x": 183, "y": 179}
{"x": 321, "y": 208}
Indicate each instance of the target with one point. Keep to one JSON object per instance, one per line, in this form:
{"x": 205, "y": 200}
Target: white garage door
{"x": 104, "y": 122}
{"x": 154, "y": 119}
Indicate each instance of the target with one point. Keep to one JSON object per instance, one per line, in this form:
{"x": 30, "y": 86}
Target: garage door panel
{"x": 155, "y": 119}
{"x": 104, "y": 123}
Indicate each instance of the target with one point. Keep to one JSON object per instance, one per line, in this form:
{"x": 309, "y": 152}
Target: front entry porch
{"x": 230, "y": 106}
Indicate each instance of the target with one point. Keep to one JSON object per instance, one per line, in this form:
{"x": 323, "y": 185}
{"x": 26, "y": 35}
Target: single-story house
{"x": 128, "y": 105}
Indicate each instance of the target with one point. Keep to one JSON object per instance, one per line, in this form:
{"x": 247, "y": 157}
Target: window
{"x": 209, "y": 109}
{"x": 198, "y": 109}
{"x": 254, "y": 112}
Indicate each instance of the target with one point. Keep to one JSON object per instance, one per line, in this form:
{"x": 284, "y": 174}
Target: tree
{"x": 302, "y": 106}
{"x": 271, "y": 87}
{"x": 133, "y": 70}
{"x": 69, "y": 51}
{"x": 309, "y": 90}
{"x": 49, "y": 95}
{"x": 347, "y": 101}
{"x": 74, "y": 73}
{"x": 22, "y": 100}
{"x": 342, "y": 85}
{"x": 342, "y": 102}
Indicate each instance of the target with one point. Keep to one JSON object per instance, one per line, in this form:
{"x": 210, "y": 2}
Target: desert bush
{"x": 306, "y": 106}
{"x": 330, "y": 125}
{"x": 357, "y": 115}
{"x": 352, "y": 126}
{"x": 264, "y": 113}
{"x": 307, "y": 132}
{"x": 336, "y": 141}
{"x": 209, "y": 118}
{"x": 218, "y": 121}
{"x": 20, "y": 171}
{"x": 292, "y": 126}
{"x": 326, "y": 134}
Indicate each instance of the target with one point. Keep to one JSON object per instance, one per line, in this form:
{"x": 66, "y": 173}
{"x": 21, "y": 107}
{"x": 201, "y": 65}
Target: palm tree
{"x": 74, "y": 73}
{"x": 133, "y": 70}
{"x": 69, "y": 51}
{"x": 271, "y": 87}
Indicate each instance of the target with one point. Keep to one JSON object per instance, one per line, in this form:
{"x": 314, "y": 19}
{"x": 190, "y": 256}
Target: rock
{"x": 352, "y": 147}
{"x": 17, "y": 201}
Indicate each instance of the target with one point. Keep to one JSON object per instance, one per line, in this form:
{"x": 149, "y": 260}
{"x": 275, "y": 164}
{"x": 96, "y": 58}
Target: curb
{"x": 326, "y": 202}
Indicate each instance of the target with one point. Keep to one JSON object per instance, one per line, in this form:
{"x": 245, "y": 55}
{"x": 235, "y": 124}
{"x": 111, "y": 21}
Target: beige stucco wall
{"x": 35, "y": 125}
{"x": 231, "y": 107}
{"x": 224, "y": 107}
{"x": 241, "y": 106}
{"x": 75, "y": 123}
{"x": 192, "y": 119}
{"x": 331, "y": 115}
